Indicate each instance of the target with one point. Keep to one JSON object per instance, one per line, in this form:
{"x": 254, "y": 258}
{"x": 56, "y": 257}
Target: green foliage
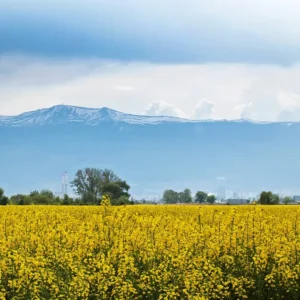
{"x": 3, "y": 198}
{"x": 185, "y": 196}
{"x": 287, "y": 200}
{"x": 44, "y": 197}
{"x": 78, "y": 201}
{"x": 123, "y": 200}
{"x": 170, "y": 197}
{"x": 28, "y": 200}
{"x": 17, "y": 199}
{"x": 87, "y": 184}
{"x": 211, "y": 199}
{"x": 34, "y": 193}
{"x": 268, "y": 198}
{"x": 47, "y": 193}
{"x": 67, "y": 200}
{"x": 115, "y": 190}
{"x": 201, "y": 197}
{"x": 91, "y": 184}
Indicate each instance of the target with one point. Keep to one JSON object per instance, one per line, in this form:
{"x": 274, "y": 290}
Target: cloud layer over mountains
{"x": 189, "y": 58}
{"x": 218, "y": 91}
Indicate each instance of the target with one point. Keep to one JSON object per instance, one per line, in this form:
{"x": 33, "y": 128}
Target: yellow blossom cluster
{"x": 105, "y": 201}
{"x": 150, "y": 252}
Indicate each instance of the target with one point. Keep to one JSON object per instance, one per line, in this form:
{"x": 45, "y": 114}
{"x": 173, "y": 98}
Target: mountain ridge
{"x": 62, "y": 114}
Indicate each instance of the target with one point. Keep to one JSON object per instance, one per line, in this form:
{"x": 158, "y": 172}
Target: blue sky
{"x": 192, "y": 58}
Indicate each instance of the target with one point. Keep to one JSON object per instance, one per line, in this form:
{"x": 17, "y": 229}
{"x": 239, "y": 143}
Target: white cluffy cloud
{"x": 161, "y": 108}
{"x": 234, "y": 91}
{"x": 289, "y": 116}
{"x": 290, "y": 105}
{"x": 245, "y": 111}
{"x": 204, "y": 110}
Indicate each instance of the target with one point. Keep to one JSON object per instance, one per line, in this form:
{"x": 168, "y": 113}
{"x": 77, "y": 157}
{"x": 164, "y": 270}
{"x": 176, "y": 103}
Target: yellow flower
{"x": 149, "y": 252}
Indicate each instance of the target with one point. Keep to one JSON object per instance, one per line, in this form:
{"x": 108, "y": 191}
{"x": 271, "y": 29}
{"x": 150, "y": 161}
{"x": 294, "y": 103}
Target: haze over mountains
{"x": 151, "y": 153}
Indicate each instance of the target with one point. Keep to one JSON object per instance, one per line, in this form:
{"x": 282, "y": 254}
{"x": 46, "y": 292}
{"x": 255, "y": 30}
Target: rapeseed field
{"x": 150, "y": 252}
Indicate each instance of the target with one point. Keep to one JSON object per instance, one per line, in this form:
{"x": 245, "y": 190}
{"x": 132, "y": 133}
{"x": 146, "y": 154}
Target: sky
{"x": 198, "y": 59}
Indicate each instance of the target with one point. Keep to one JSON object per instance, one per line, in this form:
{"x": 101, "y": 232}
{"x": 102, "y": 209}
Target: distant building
{"x": 235, "y": 195}
{"x": 296, "y": 198}
{"x": 237, "y": 201}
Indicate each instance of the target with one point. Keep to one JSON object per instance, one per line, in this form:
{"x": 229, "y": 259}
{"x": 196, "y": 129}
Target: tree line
{"x": 173, "y": 197}
{"x": 89, "y": 185}
{"x": 268, "y": 198}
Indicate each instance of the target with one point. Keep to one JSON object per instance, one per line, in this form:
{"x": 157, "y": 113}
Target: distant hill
{"x": 151, "y": 153}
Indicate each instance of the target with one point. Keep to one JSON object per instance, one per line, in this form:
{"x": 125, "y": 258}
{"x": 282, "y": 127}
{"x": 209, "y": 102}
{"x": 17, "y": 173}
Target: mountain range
{"x": 151, "y": 153}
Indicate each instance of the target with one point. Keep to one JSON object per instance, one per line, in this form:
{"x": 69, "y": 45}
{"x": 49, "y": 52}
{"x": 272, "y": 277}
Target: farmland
{"x": 149, "y": 252}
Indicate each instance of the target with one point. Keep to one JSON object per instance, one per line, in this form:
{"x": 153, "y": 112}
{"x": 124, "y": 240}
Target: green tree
{"x": 17, "y": 199}
{"x": 67, "y": 200}
{"x": 28, "y": 200}
{"x": 201, "y": 197}
{"x": 170, "y": 197}
{"x": 3, "y": 198}
{"x": 87, "y": 184}
{"x": 211, "y": 199}
{"x": 123, "y": 200}
{"x": 42, "y": 198}
{"x": 34, "y": 193}
{"x": 185, "y": 196}
{"x": 268, "y": 198}
{"x": 108, "y": 176}
{"x": 47, "y": 193}
{"x": 91, "y": 184}
{"x": 115, "y": 190}
{"x": 287, "y": 200}
{"x": 275, "y": 199}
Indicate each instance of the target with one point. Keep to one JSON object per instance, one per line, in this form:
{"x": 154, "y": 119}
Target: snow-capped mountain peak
{"x": 63, "y": 114}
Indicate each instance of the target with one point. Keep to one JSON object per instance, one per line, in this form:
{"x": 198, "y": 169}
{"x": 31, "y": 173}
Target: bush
{"x": 3, "y": 199}
{"x": 123, "y": 200}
